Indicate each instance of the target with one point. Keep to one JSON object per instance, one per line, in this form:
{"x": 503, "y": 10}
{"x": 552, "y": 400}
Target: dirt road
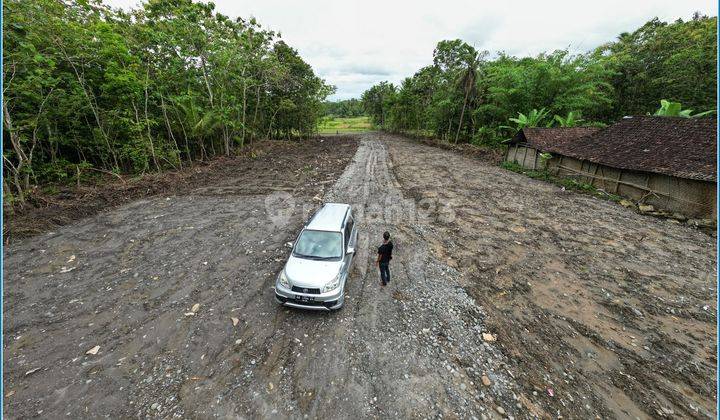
{"x": 595, "y": 310}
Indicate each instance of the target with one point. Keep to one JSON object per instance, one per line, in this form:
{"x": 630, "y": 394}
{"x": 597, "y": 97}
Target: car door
{"x": 350, "y": 239}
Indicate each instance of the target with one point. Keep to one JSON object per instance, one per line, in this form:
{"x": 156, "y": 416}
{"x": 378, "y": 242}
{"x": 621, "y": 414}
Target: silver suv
{"x": 314, "y": 276}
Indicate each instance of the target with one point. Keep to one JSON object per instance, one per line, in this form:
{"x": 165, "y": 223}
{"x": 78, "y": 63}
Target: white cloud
{"x": 354, "y": 44}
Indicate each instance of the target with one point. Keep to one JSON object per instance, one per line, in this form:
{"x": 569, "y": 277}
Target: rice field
{"x": 337, "y": 125}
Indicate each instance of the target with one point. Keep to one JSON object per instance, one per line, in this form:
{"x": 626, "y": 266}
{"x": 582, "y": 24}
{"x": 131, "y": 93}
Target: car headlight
{"x": 283, "y": 280}
{"x": 332, "y": 284}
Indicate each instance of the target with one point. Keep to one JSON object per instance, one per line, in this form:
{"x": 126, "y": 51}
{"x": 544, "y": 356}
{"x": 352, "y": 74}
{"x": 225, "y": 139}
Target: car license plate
{"x": 304, "y": 298}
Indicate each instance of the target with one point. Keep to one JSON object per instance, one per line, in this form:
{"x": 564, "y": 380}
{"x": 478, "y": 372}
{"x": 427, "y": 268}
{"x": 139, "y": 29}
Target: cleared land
{"x": 339, "y": 125}
{"x": 588, "y": 309}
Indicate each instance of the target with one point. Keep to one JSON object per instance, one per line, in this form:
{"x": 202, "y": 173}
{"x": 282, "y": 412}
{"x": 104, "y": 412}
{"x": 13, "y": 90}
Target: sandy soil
{"x": 609, "y": 311}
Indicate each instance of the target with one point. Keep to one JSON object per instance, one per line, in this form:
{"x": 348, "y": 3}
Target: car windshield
{"x": 317, "y": 244}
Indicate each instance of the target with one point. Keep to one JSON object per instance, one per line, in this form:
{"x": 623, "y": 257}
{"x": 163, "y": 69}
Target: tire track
{"x": 377, "y": 357}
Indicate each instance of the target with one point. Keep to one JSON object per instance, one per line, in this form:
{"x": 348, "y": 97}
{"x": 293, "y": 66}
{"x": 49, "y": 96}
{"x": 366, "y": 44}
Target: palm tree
{"x": 200, "y": 124}
{"x": 468, "y": 83}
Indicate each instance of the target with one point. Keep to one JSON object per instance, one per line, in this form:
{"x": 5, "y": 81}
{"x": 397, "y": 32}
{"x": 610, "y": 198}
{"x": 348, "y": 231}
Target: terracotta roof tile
{"x": 548, "y": 139}
{"x": 682, "y": 147}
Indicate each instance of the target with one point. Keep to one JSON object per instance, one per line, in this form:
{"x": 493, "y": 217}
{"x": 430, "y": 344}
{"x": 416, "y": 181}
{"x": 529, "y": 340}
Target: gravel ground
{"x": 600, "y": 310}
{"x": 491, "y": 276}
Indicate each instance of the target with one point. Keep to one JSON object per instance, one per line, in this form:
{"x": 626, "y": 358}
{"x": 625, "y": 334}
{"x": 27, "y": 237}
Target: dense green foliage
{"x": 377, "y": 101}
{"x": 348, "y": 108}
{"x": 89, "y": 87}
{"x": 464, "y": 96}
{"x": 674, "y": 61}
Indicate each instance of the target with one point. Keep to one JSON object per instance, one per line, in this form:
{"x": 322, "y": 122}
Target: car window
{"x": 317, "y": 244}
{"x": 348, "y": 230}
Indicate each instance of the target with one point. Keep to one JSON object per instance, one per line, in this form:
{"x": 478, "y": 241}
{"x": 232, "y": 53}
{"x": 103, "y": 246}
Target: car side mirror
{"x": 350, "y": 250}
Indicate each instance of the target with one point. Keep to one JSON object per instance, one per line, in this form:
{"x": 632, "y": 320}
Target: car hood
{"x": 311, "y": 273}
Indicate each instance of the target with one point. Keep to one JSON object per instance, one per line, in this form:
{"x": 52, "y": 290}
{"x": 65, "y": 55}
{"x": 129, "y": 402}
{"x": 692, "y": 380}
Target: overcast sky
{"x": 355, "y": 44}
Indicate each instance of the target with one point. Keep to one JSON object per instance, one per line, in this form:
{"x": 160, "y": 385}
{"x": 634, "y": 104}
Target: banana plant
{"x": 571, "y": 120}
{"x": 532, "y": 119}
{"x": 674, "y": 109}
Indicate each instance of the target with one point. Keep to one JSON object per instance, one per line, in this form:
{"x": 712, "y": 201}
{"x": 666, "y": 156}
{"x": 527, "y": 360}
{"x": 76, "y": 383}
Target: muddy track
{"x": 127, "y": 279}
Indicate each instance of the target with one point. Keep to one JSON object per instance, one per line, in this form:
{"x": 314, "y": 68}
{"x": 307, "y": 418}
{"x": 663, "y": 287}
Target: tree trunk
{"x": 91, "y": 104}
{"x": 462, "y": 114}
{"x": 169, "y": 129}
{"x": 205, "y": 77}
{"x": 16, "y": 178}
{"x": 244, "y": 105}
{"x": 8, "y": 193}
{"x": 137, "y": 122}
{"x": 226, "y": 140}
{"x": 447, "y": 135}
{"x": 257, "y": 106}
{"x": 185, "y": 136}
{"x": 271, "y": 122}
{"x": 34, "y": 141}
{"x": 203, "y": 150}
{"x": 22, "y": 157}
{"x": 147, "y": 122}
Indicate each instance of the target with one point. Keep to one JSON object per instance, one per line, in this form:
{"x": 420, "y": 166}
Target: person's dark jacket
{"x": 385, "y": 252}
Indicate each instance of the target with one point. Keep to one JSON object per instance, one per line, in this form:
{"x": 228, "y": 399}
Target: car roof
{"x": 330, "y": 217}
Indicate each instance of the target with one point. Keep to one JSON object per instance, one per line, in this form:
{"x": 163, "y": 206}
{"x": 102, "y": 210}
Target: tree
{"x": 660, "y": 59}
{"x": 91, "y": 88}
{"x": 468, "y": 81}
{"x": 347, "y": 108}
{"x": 377, "y": 100}
{"x": 465, "y": 96}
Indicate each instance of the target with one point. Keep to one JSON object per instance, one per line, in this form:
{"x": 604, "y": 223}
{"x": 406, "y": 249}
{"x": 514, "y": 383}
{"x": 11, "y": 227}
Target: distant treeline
{"x": 466, "y": 96}
{"x": 89, "y": 88}
{"x": 347, "y": 108}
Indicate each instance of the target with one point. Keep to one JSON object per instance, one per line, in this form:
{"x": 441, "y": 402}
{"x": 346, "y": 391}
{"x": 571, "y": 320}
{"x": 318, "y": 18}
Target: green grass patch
{"x": 333, "y": 125}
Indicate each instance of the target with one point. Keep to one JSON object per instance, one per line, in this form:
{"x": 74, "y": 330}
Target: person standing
{"x": 384, "y": 257}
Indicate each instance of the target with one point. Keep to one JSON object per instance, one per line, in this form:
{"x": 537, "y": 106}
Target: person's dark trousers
{"x": 385, "y": 273}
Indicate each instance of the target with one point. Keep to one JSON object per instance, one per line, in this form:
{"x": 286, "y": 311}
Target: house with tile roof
{"x": 667, "y": 162}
